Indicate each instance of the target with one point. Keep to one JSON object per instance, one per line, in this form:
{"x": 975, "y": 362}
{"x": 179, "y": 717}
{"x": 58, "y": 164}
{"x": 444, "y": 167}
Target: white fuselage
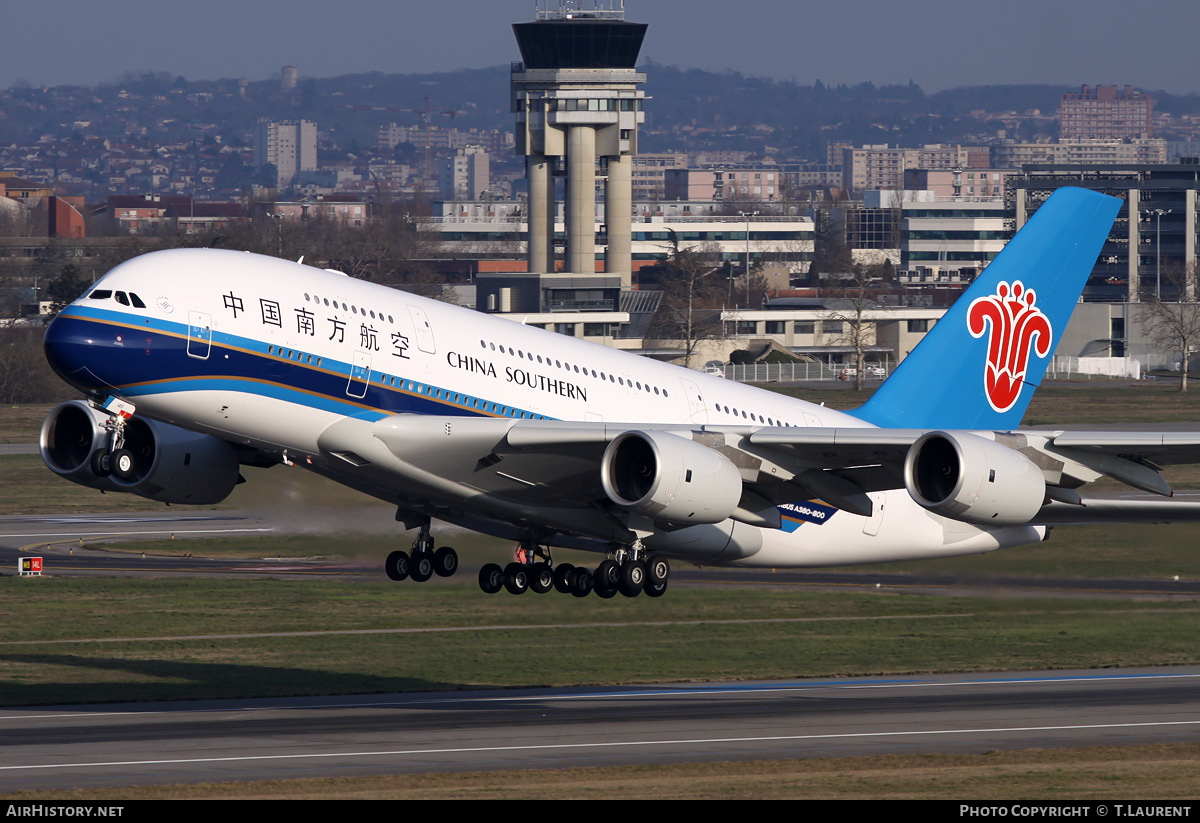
{"x": 277, "y": 351}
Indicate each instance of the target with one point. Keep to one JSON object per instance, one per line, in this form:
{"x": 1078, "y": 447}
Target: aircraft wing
{"x": 591, "y": 477}
{"x": 1161, "y": 448}
{"x": 601, "y": 479}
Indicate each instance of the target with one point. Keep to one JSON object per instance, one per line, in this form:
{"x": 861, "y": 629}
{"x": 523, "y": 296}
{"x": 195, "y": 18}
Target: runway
{"x": 139, "y": 744}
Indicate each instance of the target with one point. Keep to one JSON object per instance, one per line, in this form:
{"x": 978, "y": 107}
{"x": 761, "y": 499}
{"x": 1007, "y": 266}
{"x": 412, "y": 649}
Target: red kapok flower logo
{"x": 1017, "y": 327}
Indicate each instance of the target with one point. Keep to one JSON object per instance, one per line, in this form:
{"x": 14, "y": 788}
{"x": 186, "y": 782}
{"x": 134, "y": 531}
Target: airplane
{"x": 195, "y": 362}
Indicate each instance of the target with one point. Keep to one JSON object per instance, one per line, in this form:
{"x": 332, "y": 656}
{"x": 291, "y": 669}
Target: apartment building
{"x": 1106, "y": 113}
{"x": 289, "y": 145}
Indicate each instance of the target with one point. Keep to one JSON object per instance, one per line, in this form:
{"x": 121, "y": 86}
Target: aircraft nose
{"x": 72, "y": 353}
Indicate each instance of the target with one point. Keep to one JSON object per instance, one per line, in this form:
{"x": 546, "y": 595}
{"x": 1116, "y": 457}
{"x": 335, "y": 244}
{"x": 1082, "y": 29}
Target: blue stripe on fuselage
{"x": 133, "y": 355}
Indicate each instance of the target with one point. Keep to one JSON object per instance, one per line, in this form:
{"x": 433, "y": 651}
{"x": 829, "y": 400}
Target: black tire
{"x": 491, "y": 578}
{"x": 397, "y": 566}
{"x": 633, "y": 578}
{"x": 101, "y": 464}
{"x": 581, "y": 583}
{"x": 445, "y": 562}
{"x": 658, "y": 570}
{"x": 541, "y": 578}
{"x": 564, "y": 577}
{"x": 516, "y": 580}
{"x": 422, "y": 567}
{"x": 655, "y": 590}
{"x": 122, "y": 463}
{"x": 607, "y": 575}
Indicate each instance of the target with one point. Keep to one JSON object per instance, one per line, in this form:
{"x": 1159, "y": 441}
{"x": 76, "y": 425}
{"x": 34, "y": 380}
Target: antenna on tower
{"x": 579, "y": 9}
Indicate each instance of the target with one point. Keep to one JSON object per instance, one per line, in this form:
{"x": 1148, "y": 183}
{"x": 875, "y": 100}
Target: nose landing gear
{"x": 116, "y": 459}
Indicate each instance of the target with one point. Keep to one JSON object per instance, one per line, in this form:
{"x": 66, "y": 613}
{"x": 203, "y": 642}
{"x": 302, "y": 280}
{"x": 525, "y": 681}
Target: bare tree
{"x": 693, "y": 290}
{"x": 850, "y": 310}
{"x": 1175, "y": 326}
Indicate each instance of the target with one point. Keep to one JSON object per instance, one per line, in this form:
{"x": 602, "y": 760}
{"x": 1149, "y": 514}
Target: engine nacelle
{"x": 970, "y": 478}
{"x": 72, "y": 435}
{"x": 170, "y": 464}
{"x": 670, "y": 478}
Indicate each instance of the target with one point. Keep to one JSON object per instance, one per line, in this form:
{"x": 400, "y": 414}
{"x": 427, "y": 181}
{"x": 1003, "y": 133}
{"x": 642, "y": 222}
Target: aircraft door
{"x": 199, "y": 341}
{"x": 696, "y": 411}
{"x": 360, "y": 375}
{"x": 424, "y": 331}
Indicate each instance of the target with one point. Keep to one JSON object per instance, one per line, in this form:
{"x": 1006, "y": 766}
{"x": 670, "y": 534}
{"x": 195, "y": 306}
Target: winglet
{"x": 980, "y": 364}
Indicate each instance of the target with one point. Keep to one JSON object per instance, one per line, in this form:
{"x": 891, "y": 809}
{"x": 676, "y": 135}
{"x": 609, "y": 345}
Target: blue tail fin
{"x": 979, "y": 365}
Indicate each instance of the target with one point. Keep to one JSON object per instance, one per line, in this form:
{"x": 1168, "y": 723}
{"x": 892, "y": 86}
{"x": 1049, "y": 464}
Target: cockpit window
{"x": 101, "y": 294}
{"x": 137, "y": 301}
{"x": 122, "y": 299}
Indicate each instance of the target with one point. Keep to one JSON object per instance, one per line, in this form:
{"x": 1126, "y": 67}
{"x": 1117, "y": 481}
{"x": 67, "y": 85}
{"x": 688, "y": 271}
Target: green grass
{"x": 21, "y": 424}
{"x": 135, "y": 637}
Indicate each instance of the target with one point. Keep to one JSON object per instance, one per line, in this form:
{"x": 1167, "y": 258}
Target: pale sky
{"x": 1153, "y": 44}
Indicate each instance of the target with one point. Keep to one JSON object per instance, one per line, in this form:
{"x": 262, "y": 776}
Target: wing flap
{"x": 1118, "y": 511}
{"x": 1163, "y": 448}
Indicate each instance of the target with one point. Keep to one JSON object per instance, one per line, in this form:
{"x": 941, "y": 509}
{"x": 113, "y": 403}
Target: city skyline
{"x": 1069, "y": 42}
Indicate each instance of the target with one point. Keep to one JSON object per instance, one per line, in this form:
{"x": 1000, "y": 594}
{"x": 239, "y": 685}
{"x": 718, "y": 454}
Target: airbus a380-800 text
{"x": 194, "y": 362}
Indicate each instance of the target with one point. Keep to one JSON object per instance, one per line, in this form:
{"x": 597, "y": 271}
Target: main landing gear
{"x": 424, "y": 562}
{"x": 627, "y": 570}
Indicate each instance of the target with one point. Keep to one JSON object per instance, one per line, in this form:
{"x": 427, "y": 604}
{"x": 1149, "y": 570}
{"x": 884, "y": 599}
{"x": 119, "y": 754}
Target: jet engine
{"x": 970, "y": 478}
{"x": 169, "y": 464}
{"x": 670, "y": 478}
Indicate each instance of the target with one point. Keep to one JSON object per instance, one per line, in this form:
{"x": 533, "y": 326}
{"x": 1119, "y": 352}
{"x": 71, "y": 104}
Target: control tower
{"x": 576, "y": 98}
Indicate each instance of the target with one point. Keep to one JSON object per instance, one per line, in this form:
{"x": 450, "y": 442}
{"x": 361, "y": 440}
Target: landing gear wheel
{"x": 607, "y": 575}
{"x": 422, "y": 567}
{"x": 581, "y": 583}
{"x": 122, "y": 464}
{"x": 445, "y": 561}
{"x": 101, "y": 464}
{"x": 397, "y": 565}
{"x": 515, "y": 578}
{"x": 541, "y": 578}
{"x": 655, "y": 590}
{"x": 491, "y": 578}
{"x": 633, "y": 578}
{"x": 658, "y": 570}
{"x": 564, "y": 576}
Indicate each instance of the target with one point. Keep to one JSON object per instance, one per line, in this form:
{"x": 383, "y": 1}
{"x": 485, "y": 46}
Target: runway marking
{"x": 44, "y": 541}
{"x": 745, "y": 688}
{"x": 585, "y": 746}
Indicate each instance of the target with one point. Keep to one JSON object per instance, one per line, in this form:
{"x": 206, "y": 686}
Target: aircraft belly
{"x": 262, "y": 422}
{"x": 912, "y": 533}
